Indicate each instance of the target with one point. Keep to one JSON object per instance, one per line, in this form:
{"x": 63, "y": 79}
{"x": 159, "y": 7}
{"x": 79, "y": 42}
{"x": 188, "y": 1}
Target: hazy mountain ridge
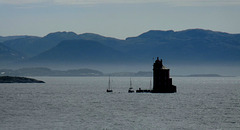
{"x": 8, "y": 55}
{"x": 187, "y": 46}
{"x": 49, "y": 72}
{"x": 26, "y": 45}
{"x": 79, "y": 51}
{"x": 114, "y": 43}
{"x": 2, "y": 39}
{"x": 32, "y": 46}
{"x": 40, "y": 71}
{"x": 193, "y": 44}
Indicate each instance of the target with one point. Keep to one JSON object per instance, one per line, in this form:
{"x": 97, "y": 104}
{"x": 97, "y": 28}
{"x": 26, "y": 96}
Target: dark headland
{"x": 13, "y": 79}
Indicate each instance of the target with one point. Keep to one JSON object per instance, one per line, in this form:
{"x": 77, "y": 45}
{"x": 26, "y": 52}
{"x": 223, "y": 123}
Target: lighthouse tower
{"x": 162, "y": 83}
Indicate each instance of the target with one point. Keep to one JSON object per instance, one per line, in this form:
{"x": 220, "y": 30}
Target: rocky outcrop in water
{"x": 11, "y": 79}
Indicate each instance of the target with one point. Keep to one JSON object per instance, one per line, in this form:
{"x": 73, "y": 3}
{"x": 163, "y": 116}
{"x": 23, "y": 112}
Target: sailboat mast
{"x": 130, "y": 83}
{"x": 150, "y": 84}
{"x": 109, "y": 83}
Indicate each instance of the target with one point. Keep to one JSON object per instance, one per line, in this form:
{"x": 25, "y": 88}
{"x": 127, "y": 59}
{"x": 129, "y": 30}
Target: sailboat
{"x": 109, "y": 86}
{"x": 130, "y": 90}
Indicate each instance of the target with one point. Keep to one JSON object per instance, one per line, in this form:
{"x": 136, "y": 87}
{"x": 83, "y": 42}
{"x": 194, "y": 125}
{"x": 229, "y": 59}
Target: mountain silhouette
{"x": 79, "y": 51}
{"x": 2, "y": 39}
{"x": 32, "y": 46}
{"x": 192, "y": 46}
{"x": 7, "y": 55}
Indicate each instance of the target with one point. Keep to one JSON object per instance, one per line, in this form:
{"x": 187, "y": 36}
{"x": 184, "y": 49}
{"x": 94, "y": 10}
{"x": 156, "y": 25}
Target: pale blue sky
{"x": 116, "y": 18}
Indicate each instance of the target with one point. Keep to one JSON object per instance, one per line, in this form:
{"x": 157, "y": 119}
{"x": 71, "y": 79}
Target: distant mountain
{"x": 114, "y": 43}
{"x": 48, "y": 72}
{"x": 24, "y": 45}
{"x": 8, "y": 55}
{"x": 2, "y": 39}
{"x": 192, "y": 46}
{"x": 79, "y": 51}
{"x": 32, "y": 46}
{"x": 204, "y": 75}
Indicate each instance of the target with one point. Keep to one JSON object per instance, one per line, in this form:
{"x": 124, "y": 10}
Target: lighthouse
{"x": 162, "y": 83}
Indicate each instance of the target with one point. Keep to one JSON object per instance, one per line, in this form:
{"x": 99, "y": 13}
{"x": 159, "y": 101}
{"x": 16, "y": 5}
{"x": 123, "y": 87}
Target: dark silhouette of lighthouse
{"x": 162, "y": 83}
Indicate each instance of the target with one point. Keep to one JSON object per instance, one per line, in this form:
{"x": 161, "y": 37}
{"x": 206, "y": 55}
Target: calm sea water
{"x": 82, "y": 103}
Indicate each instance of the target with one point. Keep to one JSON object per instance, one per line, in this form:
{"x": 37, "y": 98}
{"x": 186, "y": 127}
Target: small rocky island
{"x": 13, "y": 79}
